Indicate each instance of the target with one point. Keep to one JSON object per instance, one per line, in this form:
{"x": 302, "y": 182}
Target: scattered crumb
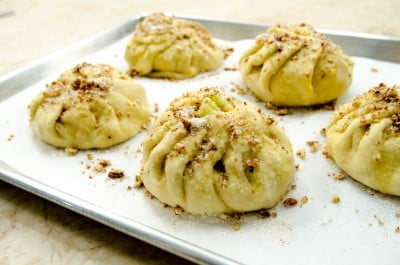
{"x": 147, "y": 193}
{"x": 369, "y": 224}
{"x": 138, "y": 182}
{"x": 338, "y": 175}
{"x": 301, "y": 153}
{"x": 314, "y": 146}
{"x": 296, "y": 166}
{"x": 71, "y": 151}
{"x": 87, "y": 167}
{"x": 274, "y": 214}
{"x": 129, "y": 188}
{"x": 329, "y": 106}
{"x": 303, "y": 200}
{"x": 323, "y": 131}
{"x": 101, "y": 165}
{"x": 90, "y": 176}
{"x": 289, "y": 202}
{"x": 281, "y": 111}
{"x": 238, "y": 89}
{"x": 143, "y": 127}
{"x": 227, "y": 51}
{"x": 178, "y": 210}
{"x": 263, "y": 213}
{"x": 293, "y": 186}
{"x": 380, "y": 221}
{"x": 89, "y": 156}
{"x": 156, "y": 108}
{"x": 335, "y": 199}
{"x": 10, "y": 137}
{"x": 81, "y": 162}
{"x": 374, "y": 69}
{"x": 132, "y": 73}
{"x": 116, "y": 174}
{"x": 397, "y": 229}
{"x": 231, "y": 69}
{"x": 236, "y": 226}
{"x": 398, "y": 213}
{"x": 325, "y": 153}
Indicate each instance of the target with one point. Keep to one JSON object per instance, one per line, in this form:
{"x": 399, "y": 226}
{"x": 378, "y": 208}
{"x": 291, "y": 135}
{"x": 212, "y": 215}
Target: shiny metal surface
{"x": 366, "y": 45}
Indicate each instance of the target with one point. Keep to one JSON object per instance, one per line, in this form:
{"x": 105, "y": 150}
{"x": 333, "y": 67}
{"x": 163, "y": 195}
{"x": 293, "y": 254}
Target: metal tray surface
{"x": 356, "y": 44}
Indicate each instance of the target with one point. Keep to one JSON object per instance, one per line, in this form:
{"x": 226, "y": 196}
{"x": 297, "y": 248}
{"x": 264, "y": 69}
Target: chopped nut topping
{"x": 289, "y": 202}
{"x": 325, "y": 153}
{"x": 116, "y": 174}
{"x": 398, "y": 213}
{"x": 281, "y": 111}
{"x": 301, "y": 153}
{"x": 338, "y": 175}
{"x": 132, "y": 73}
{"x": 227, "y": 51}
{"x": 138, "y": 182}
{"x": 264, "y": 213}
{"x": 71, "y": 151}
{"x": 252, "y": 162}
{"x": 303, "y": 200}
{"x": 314, "y": 146}
{"x": 380, "y": 221}
{"x": 335, "y": 199}
{"x": 178, "y": 210}
{"x": 101, "y": 165}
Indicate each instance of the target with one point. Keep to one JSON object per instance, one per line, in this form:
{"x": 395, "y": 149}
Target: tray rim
{"x": 125, "y": 225}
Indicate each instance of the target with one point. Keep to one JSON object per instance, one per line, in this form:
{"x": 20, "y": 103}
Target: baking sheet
{"x": 360, "y": 229}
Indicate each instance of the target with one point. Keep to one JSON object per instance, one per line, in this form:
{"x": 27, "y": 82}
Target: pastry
{"x": 89, "y": 106}
{"x": 169, "y": 47}
{"x": 209, "y": 153}
{"x": 295, "y": 66}
{"x": 363, "y": 138}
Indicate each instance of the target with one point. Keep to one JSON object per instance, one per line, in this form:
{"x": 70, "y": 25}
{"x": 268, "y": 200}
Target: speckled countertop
{"x": 34, "y": 231}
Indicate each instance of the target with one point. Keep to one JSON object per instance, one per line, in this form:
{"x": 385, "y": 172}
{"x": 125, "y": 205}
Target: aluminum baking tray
{"x": 384, "y": 53}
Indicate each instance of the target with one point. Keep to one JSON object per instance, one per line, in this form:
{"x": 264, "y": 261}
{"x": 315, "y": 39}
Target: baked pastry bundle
{"x": 209, "y": 153}
{"x": 170, "y": 47}
{"x": 295, "y": 66}
{"x": 89, "y": 106}
{"x": 363, "y": 138}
